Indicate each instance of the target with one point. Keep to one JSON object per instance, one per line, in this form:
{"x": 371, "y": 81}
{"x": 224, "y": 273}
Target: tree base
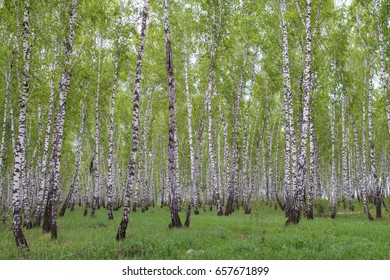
{"x": 20, "y": 239}
{"x": 122, "y": 230}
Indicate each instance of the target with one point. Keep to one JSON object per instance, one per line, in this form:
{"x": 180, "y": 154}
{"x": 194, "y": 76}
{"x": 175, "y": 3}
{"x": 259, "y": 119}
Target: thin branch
{"x": 299, "y": 12}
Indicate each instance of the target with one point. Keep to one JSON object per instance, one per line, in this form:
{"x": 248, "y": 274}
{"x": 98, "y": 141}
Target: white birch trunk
{"x": 172, "y": 155}
{"x": 121, "y": 234}
{"x": 344, "y": 152}
{"x": 333, "y": 180}
{"x": 20, "y": 145}
{"x": 376, "y": 187}
{"x": 42, "y": 184}
{"x": 309, "y": 210}
{"x": 6, "y": 102}
{"x": 189, "y": 122}
{"x": 214, "y": 178}
{"x": 290, "y": 146}
{"x": 144, "y": 177}
{"x": 233, "y": 186}
{"x": 96, "y": 189}
{"x": 111, "y": 172}
{"x": 295, "y": 214}
{"x": 383, "y": 74}
{"x": 77, "y": 161}
{"x": 59, "y": 124}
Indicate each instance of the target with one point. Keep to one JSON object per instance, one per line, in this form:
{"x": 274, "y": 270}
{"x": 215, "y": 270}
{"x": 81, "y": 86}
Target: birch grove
{"x": 222, "y": 107}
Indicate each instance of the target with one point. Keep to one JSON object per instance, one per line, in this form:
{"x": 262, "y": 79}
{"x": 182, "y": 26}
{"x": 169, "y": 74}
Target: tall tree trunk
{"x": 344, "y": 152}
{"x": 172, "y": 155}
{"x": 358, "y": 171}
{"x": 382, "y": 62}
{"x": 334, "y": 183}
{"x": 193, "y": 179}
{"x": 214, "y": 177}
{"x": 42, "y": 184}
{"x": 295, "y": 213}
{"x": 189, "y": 122}
{"x": 317, "y": 177}
{"x": 78, "y": 156}
{"x": 96, "y": 188}
{"x": 121, "y": 234}
{"x": 377, "y": 189}
{"x": 234, "y": 173}
{"x": 363, "y": 162}
{"x": 143, "y": 178}
{"x": 152, "y": 180}
{"x": 34, "y": 171}
{"x": 309, "y": 210}
{"x": 20, "y": 145}
{"x": 245, "y": 187}
{"x": 6, "y": 102}
{"x": 23, "y": 113}
{"x": 110, "y": 181}
{"x": 290, "y": 140}
{"x": 226, "y": 150}
{"x": 59, "y": 124}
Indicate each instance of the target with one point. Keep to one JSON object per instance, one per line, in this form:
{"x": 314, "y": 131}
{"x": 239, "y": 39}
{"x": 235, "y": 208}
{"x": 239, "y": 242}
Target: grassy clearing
{"x": 261, "y": 235}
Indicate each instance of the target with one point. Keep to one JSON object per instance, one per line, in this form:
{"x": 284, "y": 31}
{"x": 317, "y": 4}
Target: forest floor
{"x": 260, "y": 235}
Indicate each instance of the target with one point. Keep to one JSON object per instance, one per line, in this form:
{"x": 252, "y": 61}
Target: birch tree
{"x": 377, "y": 189}
{"x": 78, "y": 156}
{"x": 64, "y": 85}
{"x": 20, "y": 144}
{"x": 121, "y": 234}
{"x": 172, "y": 156}
{"x": 96, "y": 189}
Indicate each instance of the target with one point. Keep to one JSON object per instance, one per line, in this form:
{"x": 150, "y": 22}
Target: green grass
{"x": 261, "y": 235}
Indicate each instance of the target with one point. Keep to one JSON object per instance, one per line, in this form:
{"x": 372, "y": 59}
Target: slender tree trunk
{"x": 359, "y": 174}
{"x": 6, "y": 102}
{"x": 317, "y": 178}
{"x": 23, "y": 113}
{"x": 377, "y": 189}
{"x": 234, "y": 173}
{"x": 152, "y": 180}
{"x": 347, "y": 191}
{"x": 144, "y": 176}
{"x": 214, "y": 177}
{"x": 20, "y": 145}
{"x": 245, "y": 187}
{"x": 290, "y": 140}
{"x": 334, "y": 183}
{"x": 189, "y": 121}
{"x": 138, "y": 180}
{"x": 96, "y": 190}
{"x": 42, "y": 184}
{"x": 193, "y": 179}
{"x": 78, "y": 156}
{"x": 87, "y": 190}
{"x": 295, "y": 214}
{"x": 59, "y": 124}
{"x": 382, "y": 61}
{"x": 179, "y": 194}
{"x": 172, "y": 155}
{"x": 110, "y": 181}
{"x": 309, "y": 210}
{"x": 226, "y": 150}
{"x": 363, "y": 162}
{"x": 121, "y": 234}
{"x": 34, "y": 171}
